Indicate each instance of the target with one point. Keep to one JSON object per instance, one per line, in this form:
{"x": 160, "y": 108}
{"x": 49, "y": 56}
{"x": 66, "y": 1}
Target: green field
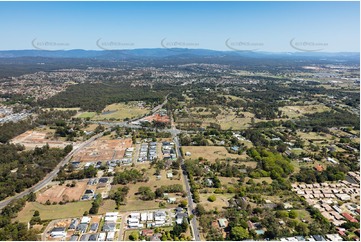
{"x": 63, "y": 109}
{"x": 121, "y": 111}
{"x": 47, "y": 212}
{"x": 86, "y": 115}
{"x": 297, "y": 111}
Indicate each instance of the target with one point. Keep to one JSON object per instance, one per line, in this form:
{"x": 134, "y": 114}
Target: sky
{"x": 261, "y": 26}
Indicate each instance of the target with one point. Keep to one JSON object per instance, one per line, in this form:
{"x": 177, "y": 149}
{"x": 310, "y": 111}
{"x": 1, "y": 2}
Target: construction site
{"x": 31, "y": 139}
{"x": 103, "y": 150}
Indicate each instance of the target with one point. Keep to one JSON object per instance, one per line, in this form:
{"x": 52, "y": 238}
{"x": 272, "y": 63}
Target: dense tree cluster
{"x": 15, "y": 231}
{"x": 168, "y": 189}
{"x": 331, "y": 173}
{"x": 334, "y": 118}
{"x": 21, "y": 170}
{"x": 96, "y": 204}
{"x": 119, "y": 195}
{"x": 10, "y": 130}
{"x": 94, "y": 97}
{"x": 129, "y": 176}
{"x": 273, "y": 163}
{"x": 145, "y": 193}
{"x": 54, "y": 117}
{"x": 70, "y": 174}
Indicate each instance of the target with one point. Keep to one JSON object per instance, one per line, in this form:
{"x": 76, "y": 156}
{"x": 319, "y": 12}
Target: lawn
{"x": 107, "y": 206}
{"x": 211, "y": 153}
{"x": 221, "y": 201}
{"x": 259, "y": 180}
{"x": 86, "y": 115}
{"x": 49, "y": 212}
{"x": 121, "y": 111}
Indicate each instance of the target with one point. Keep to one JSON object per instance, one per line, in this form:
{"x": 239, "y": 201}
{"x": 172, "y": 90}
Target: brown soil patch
{"x": 31, "y": 139}
{"x": 59, "y": 193}
{"x": 104, "y": 150}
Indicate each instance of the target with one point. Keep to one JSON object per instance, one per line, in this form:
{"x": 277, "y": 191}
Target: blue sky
{"x": 265, "y": 26}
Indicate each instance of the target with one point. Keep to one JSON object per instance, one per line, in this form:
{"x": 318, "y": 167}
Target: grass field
{"x": 63, "y": 109}
{"x": 260, "y": 180}
{"x": 229, "y": 120}
{"x": 86, "y": 115}
{"x": 221, "y": 201}
{"x": 107, "y": 206}
{"x": 48, "y": 212}
{"x": 297, "y": 111}
{"x": 134, "y": 203}
{"x": 211, "y": 153}
{"x": 121, "y": 111}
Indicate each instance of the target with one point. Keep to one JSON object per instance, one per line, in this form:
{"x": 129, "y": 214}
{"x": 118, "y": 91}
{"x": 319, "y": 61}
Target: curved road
{"x": 49, "y": 177}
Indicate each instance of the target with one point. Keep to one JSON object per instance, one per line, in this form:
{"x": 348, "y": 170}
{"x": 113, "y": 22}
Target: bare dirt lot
{"x": 31, "y": 139}
{"x": 103, "y": 150}
{"x": 59, "y": 193}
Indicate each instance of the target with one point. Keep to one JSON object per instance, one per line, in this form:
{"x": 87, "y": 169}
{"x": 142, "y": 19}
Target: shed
{"x": 222, "y": 222}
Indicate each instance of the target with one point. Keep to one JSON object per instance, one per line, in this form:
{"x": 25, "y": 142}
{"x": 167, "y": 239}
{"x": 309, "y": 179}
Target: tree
{"x": 292, "y": 214}
{"x": 183, "y": 203}
{"x": 302, "y": 229}
{"x": 119, "y": 196}
{"x": 36, "y": 218}
{"x": 134, "y": 235}
{"x": 177, "y": 230}
{"x": 200, "y": 210}
{"x": 96, "y": 204}
{"x": 36, "y": 213}
{"x": 68, "y": 149}
{"x": 32, "y": 197}
{"x": 146, "y": 193}
{"x": 184, "y": 225}
{"x": 212, "y": 198}
{"x": 239, "y": 233}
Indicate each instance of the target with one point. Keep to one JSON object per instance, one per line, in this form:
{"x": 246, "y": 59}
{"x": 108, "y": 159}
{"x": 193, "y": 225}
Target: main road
{"x": 191, "y": 205}
{"x": 50, "y": 176}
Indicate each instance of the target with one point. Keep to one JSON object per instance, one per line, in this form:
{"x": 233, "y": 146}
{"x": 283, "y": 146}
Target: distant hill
{"x": 164, "y": 53}
{"x": 19, "y": 62}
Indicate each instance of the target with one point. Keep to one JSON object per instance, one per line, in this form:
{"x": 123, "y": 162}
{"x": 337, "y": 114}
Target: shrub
{"x": 212, "y": 198}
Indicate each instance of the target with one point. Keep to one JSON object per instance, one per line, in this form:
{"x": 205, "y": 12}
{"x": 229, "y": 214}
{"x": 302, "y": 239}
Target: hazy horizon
{"x": 242, "y": 26}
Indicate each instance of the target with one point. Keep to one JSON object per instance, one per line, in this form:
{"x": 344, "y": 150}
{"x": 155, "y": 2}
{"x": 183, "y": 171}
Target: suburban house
{"x": 58, "y": 232}
{"x": 82, "y": 227}
{"x": 110, "y": 236}
{"x": 85, "y": 220}
{"x": 179, "y": 217}
{"x": 108, "y": 227}
{"x": 159, "y": 215}
{"x": 73, "y": 224}
{"x": 111, "y": 217}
